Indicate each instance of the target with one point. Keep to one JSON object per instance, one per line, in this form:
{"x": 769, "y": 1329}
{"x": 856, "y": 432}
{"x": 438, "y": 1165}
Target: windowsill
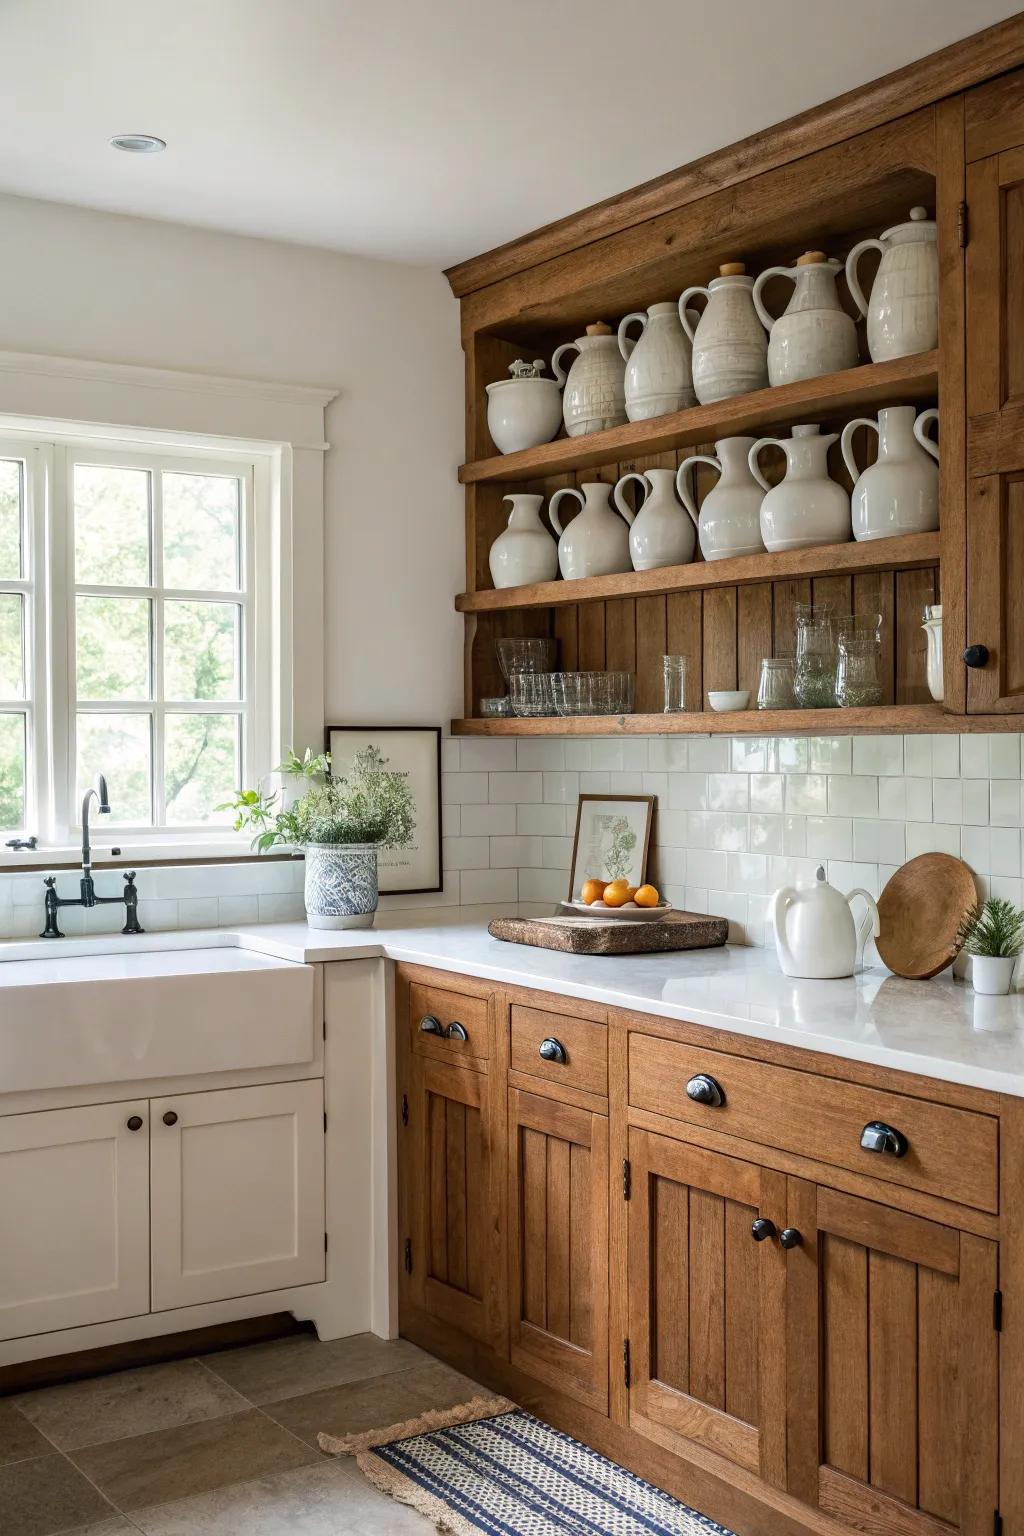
{"x": 137, "y": 853}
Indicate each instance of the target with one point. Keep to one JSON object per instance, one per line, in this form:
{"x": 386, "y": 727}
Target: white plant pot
{"x": 992, "y": 975}
{"x": 341, "y": 885}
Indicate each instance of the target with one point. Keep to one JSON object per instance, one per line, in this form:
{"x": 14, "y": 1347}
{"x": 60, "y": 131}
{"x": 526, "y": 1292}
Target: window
{"x": 134, "y": 637}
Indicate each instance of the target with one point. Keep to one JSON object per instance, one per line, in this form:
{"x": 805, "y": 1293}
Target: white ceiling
{"x": 420, "y": 130}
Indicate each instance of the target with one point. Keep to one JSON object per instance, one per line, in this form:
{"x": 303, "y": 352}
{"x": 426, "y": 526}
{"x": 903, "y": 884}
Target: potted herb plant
{"x": 339, "y": 824}
{"x": 992, "y": 933}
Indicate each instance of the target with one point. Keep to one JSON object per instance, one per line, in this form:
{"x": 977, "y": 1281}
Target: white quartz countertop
{"x": 939, "y": 1028}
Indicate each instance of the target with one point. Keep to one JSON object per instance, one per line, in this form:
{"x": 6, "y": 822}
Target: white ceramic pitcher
{"x": 814, "y": 334}
{"x": 903, "y": 311}
{"x": 899, "y": 493}
{"x": 661, "y": 534}
{"x": 729, "y": 519}
{"x": 815, "y": 934}
{"x": 807, "y": 507}
{"x": 730, "y": 349}
{"x": 594, "y": 393}
{"x": 596, "y": 542}
{"x": 524, "y": 551}
{"x": 658, "y": 377}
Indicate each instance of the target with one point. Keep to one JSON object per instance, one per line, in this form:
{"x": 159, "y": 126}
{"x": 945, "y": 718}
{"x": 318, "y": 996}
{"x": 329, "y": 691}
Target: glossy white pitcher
{"x": 596, "y": 542}
{"x": 661, "y": 534}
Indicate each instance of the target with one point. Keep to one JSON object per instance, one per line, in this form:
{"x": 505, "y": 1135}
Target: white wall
{"x": 82, "y": 284}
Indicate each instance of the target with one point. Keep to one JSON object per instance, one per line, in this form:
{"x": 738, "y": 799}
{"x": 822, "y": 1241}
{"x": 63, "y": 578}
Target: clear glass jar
{"x": 858, "y": 683}
{"x": 675, "y": 685}
{"x": 775, "y": 690}
{"x": 531, "y": 694}
{"x": 814, "y": 672}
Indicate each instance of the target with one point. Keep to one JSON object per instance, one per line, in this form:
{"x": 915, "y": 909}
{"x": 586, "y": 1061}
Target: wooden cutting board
{"x": 919, "y": 913}
{"x": 589, "y": 936}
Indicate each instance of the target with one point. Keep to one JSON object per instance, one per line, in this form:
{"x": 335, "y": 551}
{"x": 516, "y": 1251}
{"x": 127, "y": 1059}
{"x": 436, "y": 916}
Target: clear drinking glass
{"x": 775, "y": 690}
{"x": 531, "y": 694}
{"x": 675, "y": 685}
{"x": 518, "y": 653}
{"x": 858, "y": 683}
{"x": 814, "y": 673}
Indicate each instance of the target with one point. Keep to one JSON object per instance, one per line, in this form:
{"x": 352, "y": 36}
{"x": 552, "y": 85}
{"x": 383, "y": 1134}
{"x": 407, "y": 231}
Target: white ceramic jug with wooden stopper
{"x": 594, "y": 396}
{"x": 903, "y": 310}
{"x": 814, "y": 334}
{"x": 658, "y": 377}
{"x": 730, "y": 348}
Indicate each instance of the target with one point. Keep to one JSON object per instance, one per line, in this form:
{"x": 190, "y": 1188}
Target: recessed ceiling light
{"x": 138, "y": 143}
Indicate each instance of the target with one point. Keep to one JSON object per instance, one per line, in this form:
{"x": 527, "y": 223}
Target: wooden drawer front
{"x": 585, "y": 1045}
{"x": 450, "y": 1008}
{"x": 952, "y": 1152}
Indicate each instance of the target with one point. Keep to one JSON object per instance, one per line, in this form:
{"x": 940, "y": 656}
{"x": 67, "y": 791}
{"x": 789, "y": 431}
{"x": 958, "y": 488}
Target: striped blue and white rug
{"x": 512, "y": 1475}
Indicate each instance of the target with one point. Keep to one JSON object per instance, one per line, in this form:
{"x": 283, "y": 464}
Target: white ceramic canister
{"x": 899, "y": 493}
{"x": 525, "y": 410}
{"x": 596, "y": 542}
{"x": 594, "y": 395}
{"x": 661, "y": 534}
{"x": 729, "y": 521}
{"x": 524, "y": 551}
{"x": 658, "y": 378}
{"x": 932, "y": 627}
{"x": 814, "y": 335}
{"x": 903, "y": 311}
{"x": 730, "y": 348}
{"x": 807, "y": 507}
{"x": 815, "y": 934}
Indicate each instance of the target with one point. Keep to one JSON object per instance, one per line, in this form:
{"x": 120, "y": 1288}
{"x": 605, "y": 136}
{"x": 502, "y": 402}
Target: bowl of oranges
{"x": 617, "y": 898}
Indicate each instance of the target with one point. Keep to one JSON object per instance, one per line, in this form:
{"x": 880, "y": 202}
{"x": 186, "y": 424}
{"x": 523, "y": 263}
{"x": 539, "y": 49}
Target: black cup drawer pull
{"x": 703, "y": 1089}
{"x": 879, "y": 1137}
{"x": 430, "y": 1026}
{"x": 553, "y": 1050}
{"x": 456, "y": 1031}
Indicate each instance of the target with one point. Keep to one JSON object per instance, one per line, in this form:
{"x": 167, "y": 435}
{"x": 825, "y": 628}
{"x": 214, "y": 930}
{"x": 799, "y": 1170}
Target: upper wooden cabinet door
{"x": 558, "y": 1249}
{"x": 995, "y": 392}
{"x": 707, "y": 1303}
{"x": 893, "y": 1368}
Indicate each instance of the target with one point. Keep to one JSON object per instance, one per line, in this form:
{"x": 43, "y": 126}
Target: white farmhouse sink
{"x": 74, "y": 1019}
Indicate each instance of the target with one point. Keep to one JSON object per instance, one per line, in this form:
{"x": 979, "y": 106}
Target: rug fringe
{"x": 434, "y": 1418}
{"x": 401, "y": 1488}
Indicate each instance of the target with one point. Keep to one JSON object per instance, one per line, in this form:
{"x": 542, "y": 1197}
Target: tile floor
{"x": 222, "y": 1445}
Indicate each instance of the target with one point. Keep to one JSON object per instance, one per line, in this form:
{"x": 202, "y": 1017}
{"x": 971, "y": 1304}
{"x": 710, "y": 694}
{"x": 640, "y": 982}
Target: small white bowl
{"x": 728, "y": 700}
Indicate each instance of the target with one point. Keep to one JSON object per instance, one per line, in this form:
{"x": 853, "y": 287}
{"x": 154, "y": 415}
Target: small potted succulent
{"x": 992, "y": 933}
{"x": 339, "y": 824}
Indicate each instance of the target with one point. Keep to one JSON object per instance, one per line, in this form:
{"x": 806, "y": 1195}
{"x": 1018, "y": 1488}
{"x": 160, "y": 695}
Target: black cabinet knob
{"x": 456, "y": 1031}
{"x": 430, "y": 1026}
{"x": 703, "y": 1089}
{"x": 879, "y": 1137}
{"x": 170, "y": 1118}
{"x": 553, "y": 1050}
{"x": 761, "y": 1229}
{"x": 976, "y": 656}
{"x": 789, "y": 1237}
{"x": 134, "y": 1122}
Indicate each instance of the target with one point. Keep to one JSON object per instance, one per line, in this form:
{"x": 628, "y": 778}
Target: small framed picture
{"x": 415, "y": 751}
{"x": 613, "y": 834}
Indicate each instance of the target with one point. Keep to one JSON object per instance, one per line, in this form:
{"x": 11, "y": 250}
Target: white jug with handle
{"x": 815, "y": 935}
{"x": 814, "y": 335}
{"x": 658, "y": 378}
{"x": 596, "y": 542}
{"x": 661, "y": 534}
{"x": 729, "y": 521}
{"x": 899, "y": 492}
{"x": 730, "y": 349}
{"x": 903, "y": 311}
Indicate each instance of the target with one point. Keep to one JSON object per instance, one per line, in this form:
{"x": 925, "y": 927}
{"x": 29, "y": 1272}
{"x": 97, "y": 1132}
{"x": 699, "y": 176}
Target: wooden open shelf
{"x": 914, "y": 551}
{"x": 908, "y": 719}
{"x": 905, "y": 380}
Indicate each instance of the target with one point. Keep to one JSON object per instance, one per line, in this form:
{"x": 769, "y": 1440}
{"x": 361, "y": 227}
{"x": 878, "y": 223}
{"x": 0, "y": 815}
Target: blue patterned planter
{"x": 341, "y": 885}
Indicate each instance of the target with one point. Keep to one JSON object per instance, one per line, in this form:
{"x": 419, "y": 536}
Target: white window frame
{"x": 35, "y": 706}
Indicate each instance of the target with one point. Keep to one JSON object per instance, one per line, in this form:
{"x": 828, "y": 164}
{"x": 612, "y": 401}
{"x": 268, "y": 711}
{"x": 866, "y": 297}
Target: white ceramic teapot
{"x": 524, "y": 552}
{"x": 594, "y": 389}
{"x": 815, "y": 934}
{"x": 596, "y": 542}
{"x": 899, "y": 493}
{"x": 661, "y": 534}
{"x": 814, "y": 335}
{"x": 525, "y": 410}
{"x": 807, "y": 507}
{"x": 729, "y": 521}
{"x": 658, "y": 378}
{"x": 730, "y": 349}
{"x": 903, "y": 311}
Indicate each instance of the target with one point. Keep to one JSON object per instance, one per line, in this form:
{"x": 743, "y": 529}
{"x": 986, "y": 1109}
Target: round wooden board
{"x": 920, "y": 911}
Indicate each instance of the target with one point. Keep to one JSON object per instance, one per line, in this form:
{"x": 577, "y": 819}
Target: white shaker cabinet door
{"x": 237, "y": 1192}
{"x": 74, "y": 1217}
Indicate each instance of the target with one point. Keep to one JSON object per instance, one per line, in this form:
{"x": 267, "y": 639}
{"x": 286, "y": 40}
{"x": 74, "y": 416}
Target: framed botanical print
{"x": 613, "y": 834}
{"x": 415, "y": 751}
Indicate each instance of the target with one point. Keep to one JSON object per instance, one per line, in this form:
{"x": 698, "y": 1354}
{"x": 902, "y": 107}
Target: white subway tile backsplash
{"x": 794, "y": 835}
{"x": 974, "y": 757}
{"x": 480, "y": 885}
{"x": 878, "y": 841}
{"x": 854, "y": 794}
{"x": 490, "y": 820}
{"x": 948, "y": 800}
{"x": 708, "y": 867}
{"x": 515, "y": 787}
{"x": 829, "y": 837}
{"x": 540, "y": 752}
{"x": 1005, "y": 802}
{"x": 560, "y": 788}
{"x": 608, "y": 755}
{"x": 556, "y": 852}
{"x": 709, "y": 754}
{"x": 975, "y": 850}
{"x": 728, "y": 791}
{"x": 976, "y": 801}
{"x": 461, "y": 788}
{"x": 483, "y": 756}
{"x": 629, "y": 782}
{"x": 767, "y": 791}
{"x": 878, "y": 754}
{"x": 931, "y": 837}
{"x": 1004, "y": 852}
{"x": 765, "y": 832}
{"x": 1004, "y": 756}
{"x": 917, "y": 756}
{"x": 543, "y": 885}
{"x": 807, "y": 793}
{"x": 595, "y": 783}
{"x": 540, "y": 820}
{"x": 688, "y": 791}
{"x": 945, "y": 757}
{"x": 516, "y": 852}
{"x": 830, "y": 754}
{"x": 466, "y": 852}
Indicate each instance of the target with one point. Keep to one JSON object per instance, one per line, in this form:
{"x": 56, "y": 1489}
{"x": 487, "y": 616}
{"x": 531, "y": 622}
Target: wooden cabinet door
{"x": 995, "y": 397}
{"x": 454, "y": 1256}
{"x": 893, "y": 1368}
{"x": 706, "y": 1304}
{"x": 74, "y": 1217}
{"x": 238, "y": 1192}
{"x": 558, "y": 1244}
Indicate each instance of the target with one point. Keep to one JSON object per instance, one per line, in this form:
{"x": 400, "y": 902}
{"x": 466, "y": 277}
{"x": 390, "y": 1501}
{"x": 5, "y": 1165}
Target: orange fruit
{"x": 592, "y": 891}
{"x": 616, "y": 894}
{"x": 647, "y": 896}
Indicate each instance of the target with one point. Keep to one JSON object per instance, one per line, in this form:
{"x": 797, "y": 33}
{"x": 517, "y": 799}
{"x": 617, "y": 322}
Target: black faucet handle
{"x": 129, "y": 879}
{"x": 50, "y": 881}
